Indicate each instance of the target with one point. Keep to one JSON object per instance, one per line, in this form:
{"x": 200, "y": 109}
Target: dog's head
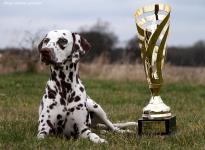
{"x": 60, "y": 46}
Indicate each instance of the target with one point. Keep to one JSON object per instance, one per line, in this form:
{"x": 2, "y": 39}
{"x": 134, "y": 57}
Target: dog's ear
{"x": 40, "y": 44}
{"x": 80, "y": 47}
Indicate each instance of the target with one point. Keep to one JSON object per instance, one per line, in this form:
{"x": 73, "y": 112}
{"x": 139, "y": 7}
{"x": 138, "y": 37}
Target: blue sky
{"x": 17, "y": 16}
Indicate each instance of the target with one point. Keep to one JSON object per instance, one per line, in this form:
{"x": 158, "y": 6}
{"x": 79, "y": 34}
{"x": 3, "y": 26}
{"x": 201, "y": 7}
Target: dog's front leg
{"x": 46, "y": 119}
{"x": 99, "y": 112}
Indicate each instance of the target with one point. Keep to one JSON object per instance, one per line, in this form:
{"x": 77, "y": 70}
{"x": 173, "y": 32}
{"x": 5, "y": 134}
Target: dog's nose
{"x": 45, "y": 50}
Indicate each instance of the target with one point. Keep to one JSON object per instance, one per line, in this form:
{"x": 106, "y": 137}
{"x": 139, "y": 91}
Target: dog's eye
{"x": 62, "y": 41}
{"x": 46, "y": 40}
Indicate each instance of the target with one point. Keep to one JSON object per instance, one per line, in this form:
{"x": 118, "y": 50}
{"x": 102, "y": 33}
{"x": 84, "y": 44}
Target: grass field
{"x": 20, "y": 95}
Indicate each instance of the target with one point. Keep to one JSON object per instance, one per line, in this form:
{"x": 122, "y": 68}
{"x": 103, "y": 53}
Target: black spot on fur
{"x": 75, "y": 66}
{"x": 71, "y": 76}
{"x": 72, "y": 109}
{"x": 60, "y": 123}
{"x": 88, "y": 133}
{"x": 80, "y": 105}
{"x": 77, "y": 98}
{"x": 52, "y": 130}
{"x": 66, "y": 67}
{"x": 62, "y": 95}
{"x": 77, "y": 79}
{"x": 57, "y": 83}
{"x": 51, "y": 93}
{"x": 81, "y": 89}
{"x": 73, "y": 94}
{"x": 64, "y": 34}
{"x": 56, "y": 68}
{"x": 76, "y": 130}
{"x": 71, "y": 65}
{"x": 62, "y": 101}
{"x": 95, "y": 106}
{"x": 59, "y": 116}
{"x": 61, "y": 75}
{"x": 71, "y": 98}
{"x": 87, "y": 119}
{"x": 42, "y": 104}
{"x": 63, "y": 125}
{"x": 56, "y": 89}
{"x": 84, "y": 130}
{"x": 52, "y": 105}
{"x": 45, "y": 96}
{"x": 64, "y": 109}
{"x": 68, "y": 86}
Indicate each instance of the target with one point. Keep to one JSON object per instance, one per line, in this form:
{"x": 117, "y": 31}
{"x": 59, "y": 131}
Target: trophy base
{"x": 163, "y": 126}
{"x": 156, "y": 109}
{"x": 151, "y": 116}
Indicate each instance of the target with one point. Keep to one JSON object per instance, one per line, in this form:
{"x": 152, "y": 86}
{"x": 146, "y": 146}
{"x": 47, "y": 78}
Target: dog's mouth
{"x": 48, "y": 60}
{"x": 45, "y": 58}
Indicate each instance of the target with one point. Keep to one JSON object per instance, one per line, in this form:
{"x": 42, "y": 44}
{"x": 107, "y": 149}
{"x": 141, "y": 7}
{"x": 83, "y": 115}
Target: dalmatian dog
{"x": 65, "y": 107}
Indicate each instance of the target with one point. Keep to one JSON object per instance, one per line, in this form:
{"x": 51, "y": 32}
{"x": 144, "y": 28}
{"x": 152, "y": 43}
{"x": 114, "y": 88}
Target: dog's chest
{"x": 68, "y": 103}
{"x": 64, "y": 93}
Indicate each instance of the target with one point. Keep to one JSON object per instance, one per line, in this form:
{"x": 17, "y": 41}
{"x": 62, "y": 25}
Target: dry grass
{"x": 100, "y": 69}
{"x": 136, "y": 72}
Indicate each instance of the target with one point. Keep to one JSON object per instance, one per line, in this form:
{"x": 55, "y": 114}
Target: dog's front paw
{"x": 96, "y": 139}
{"x": 99, "y": 141}
{"x": 41, "y": 136}
{"x": 102, "y": 141}
{"x": 116, "y": 129}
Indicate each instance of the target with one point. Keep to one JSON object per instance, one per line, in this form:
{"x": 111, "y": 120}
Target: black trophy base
{"x": 165, "y": 126}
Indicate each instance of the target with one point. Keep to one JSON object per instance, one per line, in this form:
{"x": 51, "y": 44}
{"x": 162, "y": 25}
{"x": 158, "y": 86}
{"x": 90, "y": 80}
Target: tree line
{"x": 104, "y": 42}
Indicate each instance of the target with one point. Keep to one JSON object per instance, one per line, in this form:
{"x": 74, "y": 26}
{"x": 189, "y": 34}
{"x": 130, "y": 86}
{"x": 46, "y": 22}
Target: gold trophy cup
{"x": 152, "y": 24}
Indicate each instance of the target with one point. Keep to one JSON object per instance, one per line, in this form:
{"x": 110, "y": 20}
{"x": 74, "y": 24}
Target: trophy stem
{"x": 156, "y": 108}
{"x": 155, "y": 91}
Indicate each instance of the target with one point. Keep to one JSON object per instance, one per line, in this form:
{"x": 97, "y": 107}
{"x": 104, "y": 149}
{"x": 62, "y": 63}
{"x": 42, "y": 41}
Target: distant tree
{"x": 30, "y": 42}
{"x": 187, "y": 56}
{"x": 101, "y": 39}
{"x": 132, "y": 53}
{"x": 199, "y": 44}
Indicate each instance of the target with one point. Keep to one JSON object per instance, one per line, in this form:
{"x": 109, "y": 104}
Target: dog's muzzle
{"x": 47, "y": 56}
